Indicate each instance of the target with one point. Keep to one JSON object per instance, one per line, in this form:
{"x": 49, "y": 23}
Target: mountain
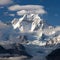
{"x": 37, "y": 37}
{"x": 55, "y": 54}
{"x": 33, "y": 26}
{"x": 13, "y": 50}
{"x": 29, "y": 22}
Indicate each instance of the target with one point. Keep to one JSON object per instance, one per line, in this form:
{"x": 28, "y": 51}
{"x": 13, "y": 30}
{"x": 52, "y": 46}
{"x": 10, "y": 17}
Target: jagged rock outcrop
{"x": 54, "y": 55}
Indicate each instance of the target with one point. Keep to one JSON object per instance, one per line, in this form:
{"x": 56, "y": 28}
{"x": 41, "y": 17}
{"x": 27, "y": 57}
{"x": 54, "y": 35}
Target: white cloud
{"x": 3, "y": 2}
{"x": 22, "y": 12}
{"x": 22, "y": 7}
{"x": 37, "y": 9}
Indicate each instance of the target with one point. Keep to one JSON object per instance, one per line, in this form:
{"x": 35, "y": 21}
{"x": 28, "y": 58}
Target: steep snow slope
{"x": 28, "y": 22}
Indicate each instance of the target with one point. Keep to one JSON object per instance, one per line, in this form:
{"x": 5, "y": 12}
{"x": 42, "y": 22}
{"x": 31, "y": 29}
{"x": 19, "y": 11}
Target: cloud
{"x": 3, "y": 2}
{"x": 12, "y": 15}
{"x": 22, "y": 12}
{"x": 22, "y": 9}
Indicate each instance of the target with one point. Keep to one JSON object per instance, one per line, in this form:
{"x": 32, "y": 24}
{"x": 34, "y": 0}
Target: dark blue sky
{"x": 51, "y": 6}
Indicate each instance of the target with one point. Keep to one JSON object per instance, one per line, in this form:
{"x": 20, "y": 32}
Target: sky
{"x": 52, "y": 7}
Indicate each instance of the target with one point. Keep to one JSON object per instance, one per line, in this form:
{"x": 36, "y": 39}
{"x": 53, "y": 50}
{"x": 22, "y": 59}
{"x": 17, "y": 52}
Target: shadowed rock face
{"x": 15, "y": 51}
{"x": 2, "y": 50}
{"x": 54, "y": 55}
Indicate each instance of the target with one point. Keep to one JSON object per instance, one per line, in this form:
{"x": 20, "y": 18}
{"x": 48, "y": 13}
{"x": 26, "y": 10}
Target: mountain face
{"x": 34, "y": 28}
{"x": 15, "y": 50}
{"x": 37, "y": 38}
{"x": 54, "y": 55}
{"x": 29, "y": 23}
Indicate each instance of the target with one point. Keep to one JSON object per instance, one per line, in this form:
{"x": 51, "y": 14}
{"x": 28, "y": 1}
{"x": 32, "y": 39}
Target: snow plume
{"x": 4, "y": 2}
{"x": 26, "y": 9}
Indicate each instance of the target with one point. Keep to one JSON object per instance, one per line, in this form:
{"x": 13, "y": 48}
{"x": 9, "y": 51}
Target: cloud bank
{"x": 3, "y": 2}
{"x": 26, "y": 9}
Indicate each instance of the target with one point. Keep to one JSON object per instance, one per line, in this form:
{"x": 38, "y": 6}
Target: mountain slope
{"x": 33, "y": 33}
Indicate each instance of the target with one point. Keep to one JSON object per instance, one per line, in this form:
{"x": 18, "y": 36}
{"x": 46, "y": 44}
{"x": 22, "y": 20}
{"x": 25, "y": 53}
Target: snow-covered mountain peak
{"x": 28, "y": 22}
{"x": 32, "y": 32}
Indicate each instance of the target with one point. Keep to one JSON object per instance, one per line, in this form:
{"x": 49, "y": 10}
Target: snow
{"x": 30, "y": 26}
{"x": 17, "y": 25}
{"x": 36, "y": 22}
{"x": 29, "y": 30}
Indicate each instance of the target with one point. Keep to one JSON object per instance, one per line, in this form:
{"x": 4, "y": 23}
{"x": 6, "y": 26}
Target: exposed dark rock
{"x": 54, "y": 55}
{"x": 16, "y": 50}
{"x": 2, "y": 50}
